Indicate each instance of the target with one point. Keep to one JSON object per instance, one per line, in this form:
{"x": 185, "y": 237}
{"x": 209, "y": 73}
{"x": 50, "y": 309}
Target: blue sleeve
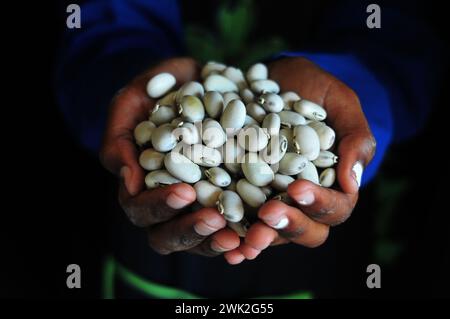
{"x": 116, "y": 41}
{"x": 394, "y": 70}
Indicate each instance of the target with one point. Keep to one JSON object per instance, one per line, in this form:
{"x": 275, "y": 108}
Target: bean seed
{"x": 275, "y": 150}
{"x": 160, "y": 84}
{"x": 292, "y": 164}
{"x": 236, "y": 76}
{"x": 291, "y": 119}
{"x": 203, "y": 155}
{"x": 162, "y": 114}
{"x": 213, "y": 134}
{"x": 306, "y": 141}
{"x": 252, "y": 138}
{"x": 158, "y": 178}
{"x": 207, "y": 193}
{"x": 310, "y": 110}
{"x": 281, "y": 182}
{"x": 327, "y": 177}
{"x": 182, "y": 168}
{"x": 163, "y": 140}
{"x": 213, "y": 102}
{"x": 191, "y": 109}
{"x": 212, "y": 68}
{"x": 233, "y": 118}
{"x": 256, "y": 170}
{"x": 218, "y": 176}
{"x": 190, "y": 88}
{"x": 289, "y": 98}
{"x": 265, "y": 86}
{"x": 309, "y": 173}
{"x": 325, "y": 159}
{"x": 256, "y": 72}
{"x": 250, "y": 194}
{"x": 216, "y": 82}
{"x": 256, "y": 111}
{"x": 143, "y": 132}
{"x": 272, "y": 122}
{"x": 271, "y": 102}
{"x": 151, "y": 160}
{"x": 230, "y": 206}
{"x": 247, "y": 95}
{"x": 326, "y": 135}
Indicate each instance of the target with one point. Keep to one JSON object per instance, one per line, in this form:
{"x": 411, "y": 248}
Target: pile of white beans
{"x": 235, "y": 138}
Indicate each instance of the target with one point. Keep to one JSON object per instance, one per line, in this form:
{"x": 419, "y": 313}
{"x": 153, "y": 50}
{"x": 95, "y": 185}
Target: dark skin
{"x": 162, "y": 211}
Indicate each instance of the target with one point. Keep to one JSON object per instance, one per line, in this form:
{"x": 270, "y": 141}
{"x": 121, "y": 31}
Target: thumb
{"x": 120, "y": 158}
{"x": 355, "y": 152}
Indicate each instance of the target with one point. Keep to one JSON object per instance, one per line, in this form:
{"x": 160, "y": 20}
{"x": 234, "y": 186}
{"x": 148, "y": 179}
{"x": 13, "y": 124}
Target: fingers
{"x": 157, "y": 205}
{"x": 280, "y": 224}
{"x": 325, "y": 205}
{"x": 222, "y": 241}
{"x": 290, "y": 222}
{"x": 186, "y": 231}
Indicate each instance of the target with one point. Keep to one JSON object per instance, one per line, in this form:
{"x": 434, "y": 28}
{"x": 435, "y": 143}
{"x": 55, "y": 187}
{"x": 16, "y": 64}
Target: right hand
{"x": 161, "y": 211}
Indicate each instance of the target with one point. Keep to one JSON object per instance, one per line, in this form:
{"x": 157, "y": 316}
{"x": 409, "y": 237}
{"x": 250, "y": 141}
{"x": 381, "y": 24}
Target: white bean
{"x": 250, "y": 194}
{"x": 158, "y": 178}
{"x": 233, "y": 118}
{"x": 271, "y": 102}
{"x": 160, "y": 84}
{"x": 309, "y": 173}
{"x": 218, "y": 176}
{"x": 306, "y": 141}
{"x": 213, "y": 134}
{"x": 163, "y": 140}
{"x": 310, "y": 110}
{"x": 207, "y": 193}
{"x": 292, "y": 164}
{"x": 216, "y": 82}
{"x": 190, "y": 88}
{"x": 182, "y": 168}
{"x": 256, "y": 170}
{"x": 214, "y": 105}
{"x": 327, "y": 177}
{"x": 230, "y": 206}
{"x": 143, "y": 132}
{"x": 256, "y": 72}
{"x": 151, "y": 160}
{"x": 325, "y": 159}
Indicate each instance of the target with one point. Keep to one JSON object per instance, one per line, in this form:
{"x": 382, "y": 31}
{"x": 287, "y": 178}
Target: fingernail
{"x": 125, "y": 175}
{"x": 357, "y": 173}
{"x": 282, "y": 223}
{"x": 217, "y": 248}
{"x": 205, "y": 229}
{"x": 278, "y": 224}
{"x": 306, "y": 198}
{"x": 176, "y": 202}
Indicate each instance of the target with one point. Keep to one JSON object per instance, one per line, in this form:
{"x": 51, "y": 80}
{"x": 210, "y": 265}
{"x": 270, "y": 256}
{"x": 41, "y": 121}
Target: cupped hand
{"x": 163, "y": 211}
{"x": 316, "y": 208}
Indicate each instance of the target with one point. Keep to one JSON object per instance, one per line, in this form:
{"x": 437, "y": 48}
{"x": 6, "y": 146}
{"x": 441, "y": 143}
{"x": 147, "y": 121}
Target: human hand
{"x": 316, "y": 208}
{"x": 161, "y": 211}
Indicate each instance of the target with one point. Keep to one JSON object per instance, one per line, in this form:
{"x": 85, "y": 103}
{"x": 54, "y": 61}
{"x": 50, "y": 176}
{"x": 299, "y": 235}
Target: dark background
{"x": 57, "y": 207}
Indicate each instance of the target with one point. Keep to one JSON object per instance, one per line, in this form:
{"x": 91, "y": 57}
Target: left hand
{"x": 317, "y": 208}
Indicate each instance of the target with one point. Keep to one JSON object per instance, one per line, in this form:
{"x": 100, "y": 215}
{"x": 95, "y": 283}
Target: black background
{"x": 56, "y": 203}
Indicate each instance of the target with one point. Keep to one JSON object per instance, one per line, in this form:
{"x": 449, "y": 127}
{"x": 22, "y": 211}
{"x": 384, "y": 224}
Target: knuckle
{"x": 371, "y": 143}
{"x": 134, "y": 214}
{"x": 156, "y": 245}
{"x": 320, "y": 238}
